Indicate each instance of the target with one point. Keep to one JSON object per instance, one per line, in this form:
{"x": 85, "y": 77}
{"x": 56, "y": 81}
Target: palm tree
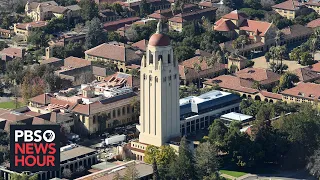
{"x": 197, "y": 67}
{"x": 314, "y": 45}
{"x": 273, "y": 53}
{"x": 280, "y": 51}
{"x": 277, "y": 38}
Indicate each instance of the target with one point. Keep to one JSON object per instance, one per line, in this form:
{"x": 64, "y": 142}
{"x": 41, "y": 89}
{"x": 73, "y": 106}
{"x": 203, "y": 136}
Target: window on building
{"x": 123, "y": 110}
{"x": 119, "y": 112}
{"x": 156, "y": 79}
{"x": 175, "y": 76}
{"x": 150, "y": 58}
{"x": 164, "y": 79}
{"x": 128, "y": 109}
{"x": 94, "y": 120}
{"x": 169, "y": 78}
{"x": 114, "y": 114}
{"x": 160, "y": 57}
{"x": 169, "y": 59}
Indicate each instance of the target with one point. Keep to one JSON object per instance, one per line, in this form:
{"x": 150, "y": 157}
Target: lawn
{"x": 233, "y": 173}
{"x": 10, "y": 105}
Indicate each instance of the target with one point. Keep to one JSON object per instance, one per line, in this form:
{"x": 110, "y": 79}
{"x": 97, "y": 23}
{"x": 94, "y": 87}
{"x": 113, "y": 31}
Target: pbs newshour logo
{"x": 34, "y": 148}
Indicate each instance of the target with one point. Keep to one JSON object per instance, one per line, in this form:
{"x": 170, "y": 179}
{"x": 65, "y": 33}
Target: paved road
{"x": 293, "y": 175}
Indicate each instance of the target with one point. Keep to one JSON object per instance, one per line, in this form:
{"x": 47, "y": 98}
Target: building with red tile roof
{"x": 302, "y": 92}
{"x": 165, "y": 14}
{"x": 315, "y": 67}
{"x": 245, "y": 87}
{"x": 313, "y": 4}
{"x": 263, "y": 76}
{"x": 177, "y": 22}
{"x": 141, "y": 45}
{"x": 26, "y": 29}
{"x": 314, "y": 24}
{"x": 237, "y": 21}
{"x": 10, "y": 53}
{"x": 288, "y": 9}
{"x": 118, "y": 53}
{"x": 188, "y": 74}
{"x": 5, "y": 33}
{"x": 114, "y": 25}
{"x": 307, "y": 74}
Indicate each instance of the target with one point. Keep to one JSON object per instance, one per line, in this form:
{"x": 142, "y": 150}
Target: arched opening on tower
{"x": 121, "y": 70}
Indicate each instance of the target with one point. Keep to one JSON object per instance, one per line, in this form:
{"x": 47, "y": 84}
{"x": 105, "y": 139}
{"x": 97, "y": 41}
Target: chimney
{"x": 49, "y": 52}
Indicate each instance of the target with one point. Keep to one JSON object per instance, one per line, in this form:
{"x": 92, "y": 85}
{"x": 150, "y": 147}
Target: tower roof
{"x": 159, "y": 39}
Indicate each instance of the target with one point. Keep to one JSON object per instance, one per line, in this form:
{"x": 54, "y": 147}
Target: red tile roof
{"x": 142, "y": 44}
{"x": 261, "y": 75}
{"x": 304, "y": 90}
{"x": 225, "y": 25}
{"x": 13, "y": 52}
{"x": 316, "y": 67}
{"x": 313, "y": 3}
{"x": 314, "y": 24}
{"x": 235, "y": 15}
{"x": 114, "y": 25}
{"x": 288, "y": 5}
{"x": 42, "y": 99}
{"x": 271, "y": 95}
{"x": 193, "y": 15}
{"x": 306, "y": 74}
{"x": 233, "y": 83}
{"x": 114, "y": 52}
{"x": 76, "y": 62}
{"x": 253, "y": 26}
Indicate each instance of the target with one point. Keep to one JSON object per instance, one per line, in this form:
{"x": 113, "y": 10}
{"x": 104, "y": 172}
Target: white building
{"x": 198, "y": 112}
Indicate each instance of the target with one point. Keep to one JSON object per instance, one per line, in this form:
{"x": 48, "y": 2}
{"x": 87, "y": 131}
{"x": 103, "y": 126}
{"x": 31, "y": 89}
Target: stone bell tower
{"x": 159, "y": 98}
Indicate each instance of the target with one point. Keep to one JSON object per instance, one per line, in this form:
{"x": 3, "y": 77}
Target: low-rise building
{"x": 197, "y": 113}
{"x": 313, "y": 4}
{"x": 108, "y": 15}
{"x": 177, "y": 22}
{"x": 266, "y": 78}
{"x": 5, "y": 33}
{"x": 7, "y": 54}
{"x": 165, "y": 14}
{"x": 117, "y": 53}
{"x": 40, "y": 11}
{"x": 72, "y": 157}
{"x": 144, "y": 171}
{"x": 76, "y": 70}
{"x": 314, "y": 24}
{"x": 64, "y": 38}
{"x": 114, "y": 25}
{"x": 234, "y": 116}
{"x": 154, "y": 5}
{"x": 288, "y": 9}
{"x": 302, "y": 92}
{"x": 99, "y": 73}
{"x": 188, "y": 73}
{"x": 238, "y": 62}
{"x": 307, "y": 74}
{"x": 25, "y": 29}
{"x": 244, "y": 87}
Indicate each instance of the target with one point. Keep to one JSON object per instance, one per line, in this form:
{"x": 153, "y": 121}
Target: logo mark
{"x": 34, "y": 148}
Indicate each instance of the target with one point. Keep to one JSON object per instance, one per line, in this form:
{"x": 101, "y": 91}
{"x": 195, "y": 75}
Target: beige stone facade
{"x": 159, "y": 80}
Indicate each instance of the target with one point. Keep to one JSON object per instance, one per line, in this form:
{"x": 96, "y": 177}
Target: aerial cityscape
{"x": 159, "y": 89}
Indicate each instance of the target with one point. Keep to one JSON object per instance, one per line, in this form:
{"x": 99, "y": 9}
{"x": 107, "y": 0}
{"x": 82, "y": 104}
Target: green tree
{"x": 182, "y": 53}
{"x": 89, "y": 10}
{"x": 144, "y": 8}
{"x": 287, "y": 80}
{"x": 38, "y": 39}
{"x": 206, "y": 158}
{"x": 217, "y": 132}
{"x": 197, "y": 68}
{"x": 253, "y": 4}
{"x": 3, "y": 45}
{"x": 14, "y": 71}
{"x": 306, "y": 58}
{"x": 131, "y": 172}
{"x": 96, "y": 35}
{"x": 150, "y": 154}
{"x": 183, "y": 167}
